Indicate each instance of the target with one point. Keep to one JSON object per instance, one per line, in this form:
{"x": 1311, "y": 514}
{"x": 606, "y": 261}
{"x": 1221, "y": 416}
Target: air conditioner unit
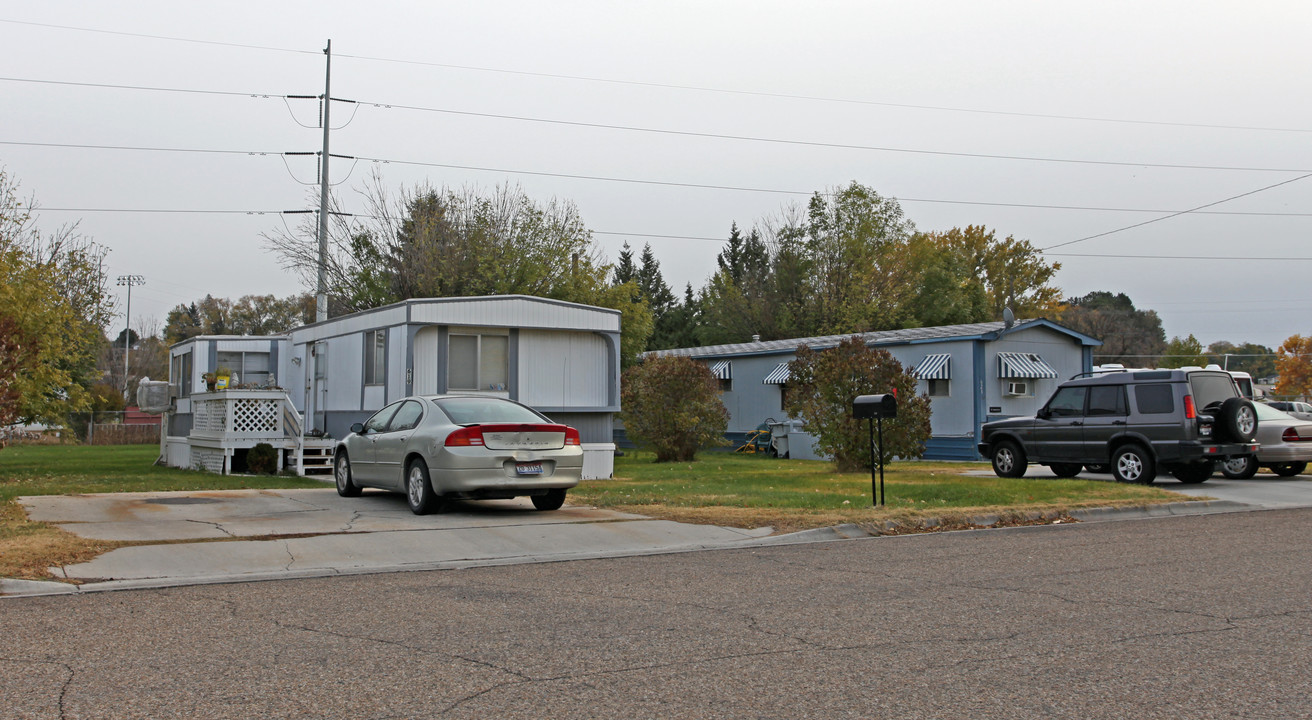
{"x": 1018, "y": 388}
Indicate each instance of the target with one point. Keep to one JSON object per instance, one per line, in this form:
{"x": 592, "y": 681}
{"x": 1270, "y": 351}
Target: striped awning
{"x": 934, "y": 367}
{"x": 1023, "y": 365}
{"x": 778, "y": 376}
{"x": 722, "y": 370}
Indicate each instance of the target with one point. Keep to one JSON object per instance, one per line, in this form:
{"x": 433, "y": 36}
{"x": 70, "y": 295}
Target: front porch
{"x": 226, "y": 423}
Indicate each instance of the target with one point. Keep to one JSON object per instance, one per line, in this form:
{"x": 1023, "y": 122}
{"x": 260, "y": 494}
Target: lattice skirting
{"x": 207, "y": 459}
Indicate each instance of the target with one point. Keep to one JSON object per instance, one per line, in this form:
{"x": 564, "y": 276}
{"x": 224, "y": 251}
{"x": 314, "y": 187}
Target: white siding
{"x": 426, "y": 362}
{"x": 562, "y": 369}
{"x": 515, "y": 312}
{"x": 345, "y": 372}
{"x": 351, "y": 324}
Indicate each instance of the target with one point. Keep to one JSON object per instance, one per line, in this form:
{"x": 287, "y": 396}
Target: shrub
{"x": 823, "y": 384}
{"x": 262, "y": 459}
{"x": 672, "y": 404}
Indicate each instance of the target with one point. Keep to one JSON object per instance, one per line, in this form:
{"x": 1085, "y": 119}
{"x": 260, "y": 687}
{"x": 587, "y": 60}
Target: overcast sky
{"x": 1079, "y": 106}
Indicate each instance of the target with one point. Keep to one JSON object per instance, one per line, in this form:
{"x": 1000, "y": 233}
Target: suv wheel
{"x": 1195, "y": 472}
{"x": 1008, "y": 460}
{"x": 1066, "y": 470}
{"x": 1237, "y": 420}
{"x": 1240, "y": 468}
{"x": 1133, "y": 464}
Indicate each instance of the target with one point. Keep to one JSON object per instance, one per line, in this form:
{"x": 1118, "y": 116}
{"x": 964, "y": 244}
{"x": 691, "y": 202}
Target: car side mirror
{"x": 357, "y": 428}
{"x": 1044, "y": 413}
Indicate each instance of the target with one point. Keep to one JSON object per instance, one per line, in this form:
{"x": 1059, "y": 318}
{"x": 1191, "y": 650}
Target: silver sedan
{"x": 1286, "y": 446}
{"x": 435, "y": 448}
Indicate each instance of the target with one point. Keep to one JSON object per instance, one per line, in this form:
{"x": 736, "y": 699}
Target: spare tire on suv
{"x": 1236, "y": 420}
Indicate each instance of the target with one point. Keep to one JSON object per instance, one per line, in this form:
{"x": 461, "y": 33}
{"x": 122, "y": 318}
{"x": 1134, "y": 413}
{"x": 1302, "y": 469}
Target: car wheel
{"x": 342, "y": 474}
{"x": 1289, "y": 469}
{"x": 1133, "y": 464}
{"x": 1098, "y": 468}
{"x": 419, "y": 489}
{"x": 1008, "y": 460}
{"x": 1195, "y": 472}
{"x": 1240, "y": 468}
{"x": 1237, "y": 420}
{"x": 1066, "y": 470}
{"x": 552, "y": 500}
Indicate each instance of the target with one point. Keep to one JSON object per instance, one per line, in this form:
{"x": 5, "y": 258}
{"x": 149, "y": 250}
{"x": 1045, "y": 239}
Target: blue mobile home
{"x": 972, "y": 374}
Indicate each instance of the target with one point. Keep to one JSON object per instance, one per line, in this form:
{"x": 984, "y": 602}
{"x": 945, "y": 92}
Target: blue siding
{"x": 951, "y": 448}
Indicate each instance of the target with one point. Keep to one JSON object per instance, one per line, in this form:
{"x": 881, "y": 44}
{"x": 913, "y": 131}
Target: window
{"x": 251, "y": 368}
{"x": 180, "y": 374}
{"x": 937, "y": 388}
{"x": 1154, "y": 399}
{"x": 375, "y": 357}
{"x": 1068, "y": 402}
{"x": 478, "y": 362}
{"x": 378, "y": 423}
{"x": 726, "y": 386}
{"x": 1107, "y": 400}
{"x": 407, "y": 418}
{"x": 783, "y": 397}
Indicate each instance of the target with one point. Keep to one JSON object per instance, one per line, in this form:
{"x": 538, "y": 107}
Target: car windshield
{"x": 1266, "y": 412}
{"x": 468, "y": 410}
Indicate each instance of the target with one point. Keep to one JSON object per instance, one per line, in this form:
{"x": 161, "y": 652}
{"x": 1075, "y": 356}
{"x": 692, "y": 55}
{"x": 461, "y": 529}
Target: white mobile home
{"x": 560, "y": 358}
{"x": 972, "y": 374}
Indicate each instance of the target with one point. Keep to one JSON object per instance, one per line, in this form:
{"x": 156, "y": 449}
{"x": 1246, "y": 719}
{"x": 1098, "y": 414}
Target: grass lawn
{"x": 757, "y": 491}
{"x": 28, "y": 548}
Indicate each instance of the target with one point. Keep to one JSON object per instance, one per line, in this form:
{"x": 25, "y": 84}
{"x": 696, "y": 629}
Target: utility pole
{"x": 321, "y": 292}
{"x": 129, "y": 281}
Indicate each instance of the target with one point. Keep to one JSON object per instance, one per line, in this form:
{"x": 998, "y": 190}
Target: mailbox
{"x": 874, "y": 406}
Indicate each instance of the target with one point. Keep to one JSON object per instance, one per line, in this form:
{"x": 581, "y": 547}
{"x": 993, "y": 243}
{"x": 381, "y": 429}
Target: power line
{"x": 1177, "y": 214}
{"x": 815, "y": 143}
{"x": 161, "y": 37}
{"x": 692, "y": 88}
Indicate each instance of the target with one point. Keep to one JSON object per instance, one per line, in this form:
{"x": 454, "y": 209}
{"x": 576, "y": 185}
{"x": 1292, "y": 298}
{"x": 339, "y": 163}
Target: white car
{"x": 434, "y": 448}
{"x": 1286, "y": 446}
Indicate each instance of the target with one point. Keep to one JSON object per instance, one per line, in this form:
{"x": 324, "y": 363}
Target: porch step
{"x": 316, "y": 458}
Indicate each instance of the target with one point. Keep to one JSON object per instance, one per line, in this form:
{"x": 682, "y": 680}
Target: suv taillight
{"x": 1189, "y": 411}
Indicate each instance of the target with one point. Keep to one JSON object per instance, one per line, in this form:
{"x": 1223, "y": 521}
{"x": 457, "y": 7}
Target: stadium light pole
{"x": 129, "y": 281}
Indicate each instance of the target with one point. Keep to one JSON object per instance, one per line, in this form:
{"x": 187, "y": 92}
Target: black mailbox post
{"x": 874, "y": 408}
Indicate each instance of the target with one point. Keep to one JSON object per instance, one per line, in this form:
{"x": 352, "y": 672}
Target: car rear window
{"x": 1155, "y": 399}
{"x": 1211, "y": 388}
{"x": 469, "y": 410}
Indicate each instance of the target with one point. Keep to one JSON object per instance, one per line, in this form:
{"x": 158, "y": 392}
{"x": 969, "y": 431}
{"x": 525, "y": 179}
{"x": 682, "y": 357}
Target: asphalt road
{"x": 1204, "y": 616}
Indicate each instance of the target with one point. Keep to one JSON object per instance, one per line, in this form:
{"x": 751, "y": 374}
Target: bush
{"x": 262, "y": 459}
{"x": 672, "y": 405}
{"x": 825, "y": 382}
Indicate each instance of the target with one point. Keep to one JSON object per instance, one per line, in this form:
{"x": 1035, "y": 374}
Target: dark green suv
{"x": 1134, "y": 422}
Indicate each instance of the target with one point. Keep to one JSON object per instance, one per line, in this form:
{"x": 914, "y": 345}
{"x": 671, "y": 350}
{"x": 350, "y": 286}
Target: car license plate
{"x": 528, "y": 468}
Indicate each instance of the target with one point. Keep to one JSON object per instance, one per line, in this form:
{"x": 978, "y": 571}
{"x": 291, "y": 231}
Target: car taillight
{"x": 1290, "y": 435}
{"x": 465, "y": 437}
{"x": 1189, "y": 411}
{"x": 572, "y": 437}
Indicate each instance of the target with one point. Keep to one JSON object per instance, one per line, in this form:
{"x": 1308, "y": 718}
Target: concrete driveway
{"x": 232, "y": 535}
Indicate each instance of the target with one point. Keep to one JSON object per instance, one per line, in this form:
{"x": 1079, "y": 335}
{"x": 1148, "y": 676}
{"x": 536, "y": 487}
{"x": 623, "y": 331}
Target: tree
{"x": 443, "y": 243}
{"x": 968, "y": 275}
{"x": 672, "y": 404}
{"x": 1130, "y": 336}
{"x": 249, "y": 315}
{"x": 1294, "y": 363}
{"x": 1183, "y": 352}
{"x": 54, "y": 306}
{"x": 1252, "y": 358}
{"x": 825, "y": 383}
{"x": 660, "y": 300}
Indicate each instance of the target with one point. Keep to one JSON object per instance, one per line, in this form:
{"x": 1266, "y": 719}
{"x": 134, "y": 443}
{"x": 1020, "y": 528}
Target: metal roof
{"x": 934, "y": 367}
{"x": 971, "y": 331}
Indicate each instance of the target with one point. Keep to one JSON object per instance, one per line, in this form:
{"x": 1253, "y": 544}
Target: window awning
{"x": 722, "y": 370}
{"x": 934, "y": 367}
{"x": 778, "y": 376}
{"x": 1023, "y": 365}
